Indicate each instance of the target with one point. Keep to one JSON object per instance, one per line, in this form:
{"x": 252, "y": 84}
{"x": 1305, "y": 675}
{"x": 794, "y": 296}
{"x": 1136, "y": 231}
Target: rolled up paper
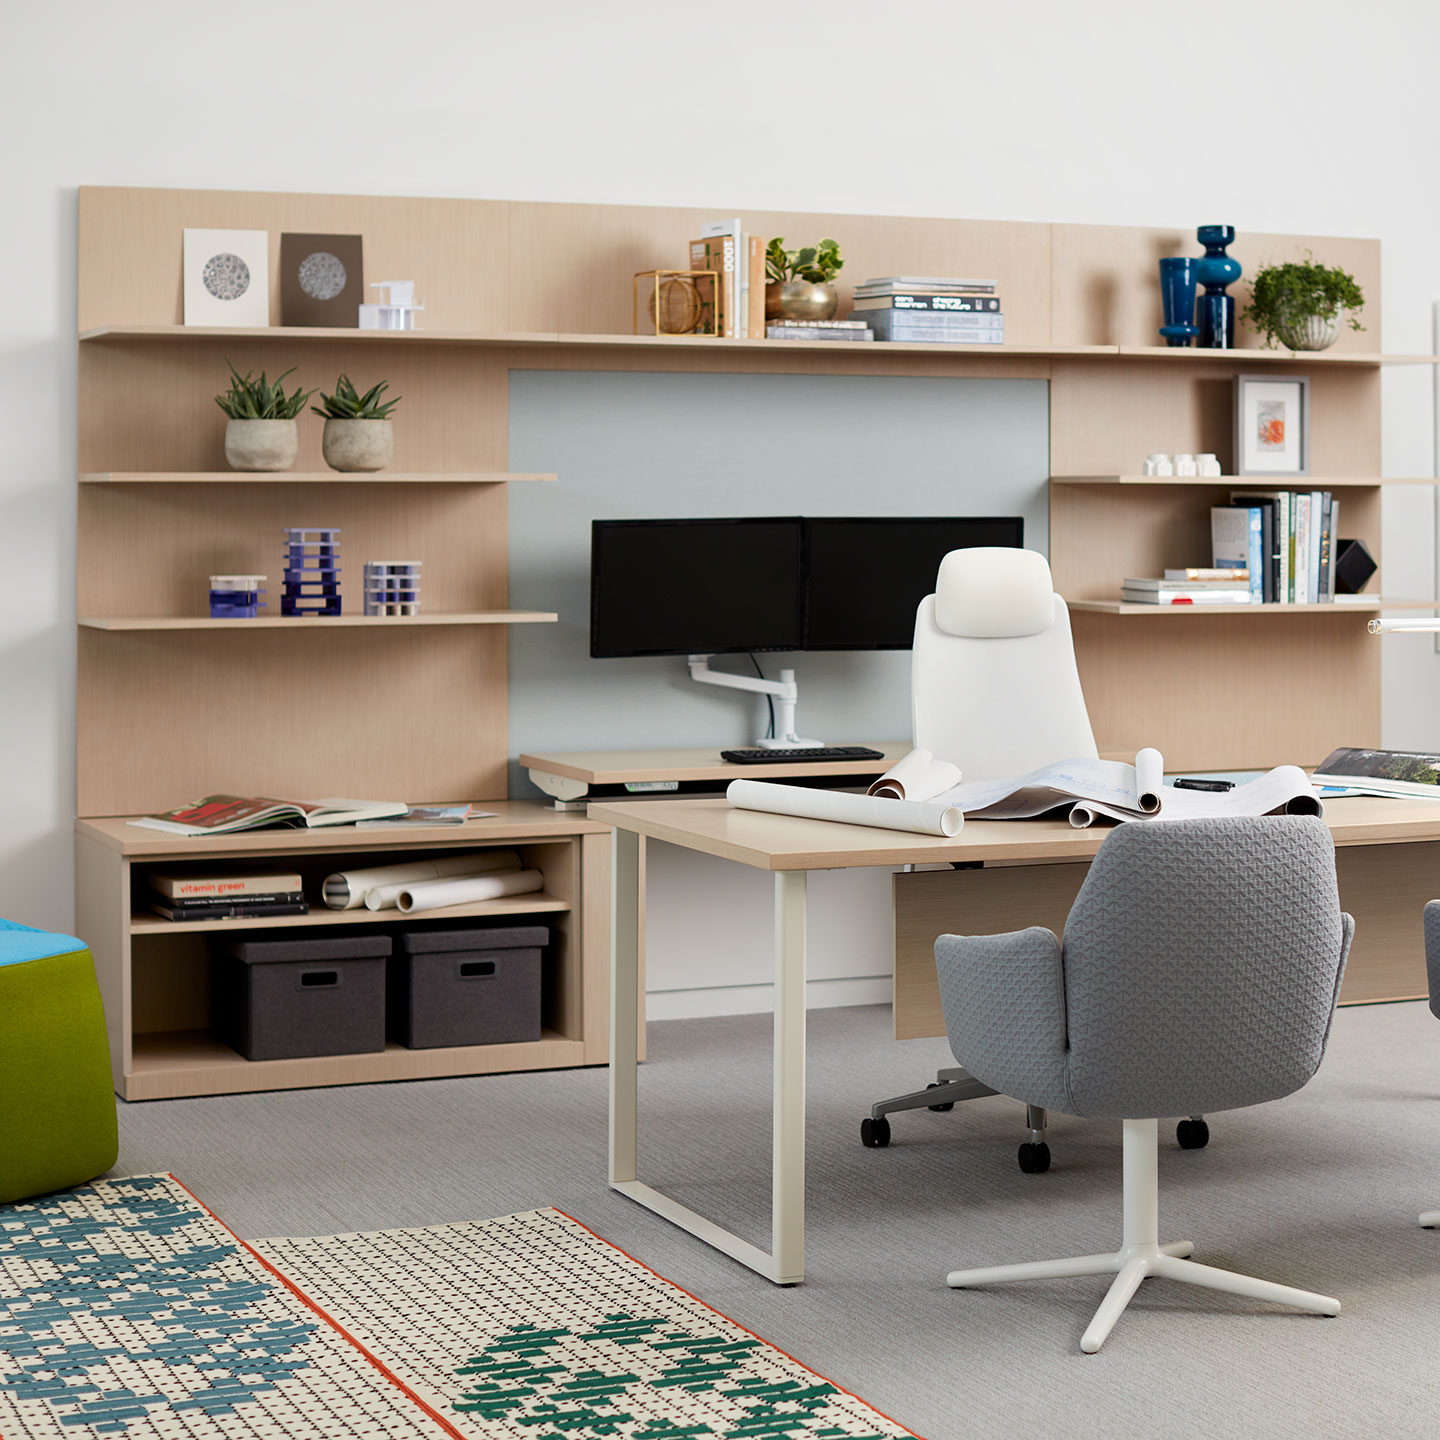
{"x": 914, "y": 816}
{"x": 437, "y": 894}
{"x": 346, "y": 890}
{"x": 917, "y": 776}
{"x": 387, "y": 897}
{"x": 1149, "y": 777}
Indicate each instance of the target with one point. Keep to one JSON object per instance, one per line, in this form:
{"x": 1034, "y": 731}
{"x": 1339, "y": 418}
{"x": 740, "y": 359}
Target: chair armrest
{"x": 1347, "y": 934}
{"x": 1004, "y": 1002}
{"x": 1432, "y": 952}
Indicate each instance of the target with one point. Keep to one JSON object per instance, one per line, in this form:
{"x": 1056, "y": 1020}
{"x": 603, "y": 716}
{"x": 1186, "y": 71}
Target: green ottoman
{"x": 57, "y": 1100}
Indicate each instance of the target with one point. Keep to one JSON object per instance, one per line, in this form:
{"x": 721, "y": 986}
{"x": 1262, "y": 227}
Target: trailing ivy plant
{"x": 348, "y": 404}
{"x": 1286, "y": 294}
{"x": 819, "y": 264}
{"x": 252, "y": 399}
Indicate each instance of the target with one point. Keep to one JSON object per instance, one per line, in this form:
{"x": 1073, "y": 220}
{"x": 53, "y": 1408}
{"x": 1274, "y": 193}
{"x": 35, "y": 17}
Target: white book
{"x": 732, "y": 226}
{"x": 1229, "y": 537}
{"x": 1317, "y": 533}
{"x": 1302, "y": 548}
{"x": 1186, "y": 597}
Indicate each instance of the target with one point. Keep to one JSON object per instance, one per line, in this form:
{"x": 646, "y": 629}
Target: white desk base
{"x": 785, "y": 1263}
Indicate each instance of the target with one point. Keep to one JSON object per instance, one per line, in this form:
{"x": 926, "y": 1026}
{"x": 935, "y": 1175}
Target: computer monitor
{"x": 711, "y": 587}
{"x": 691, "y": 587}
{"x": 864, "y": 578}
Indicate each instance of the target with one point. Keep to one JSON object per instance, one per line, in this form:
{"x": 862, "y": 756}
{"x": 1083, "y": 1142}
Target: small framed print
{"x": 1272, "y": 425}
{"x": 227, "y": 277}
{"x": 322, "y": 280}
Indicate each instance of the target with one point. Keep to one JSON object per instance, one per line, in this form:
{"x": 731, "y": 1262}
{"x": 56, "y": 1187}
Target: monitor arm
{"x": 784, "y": 691}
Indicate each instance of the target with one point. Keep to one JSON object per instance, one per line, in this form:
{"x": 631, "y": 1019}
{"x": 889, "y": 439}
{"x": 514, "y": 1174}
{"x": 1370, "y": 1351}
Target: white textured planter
{"x": 358, "y": 445}
{"x": 260, "y": 444}
{"x": 1314, "y": 332}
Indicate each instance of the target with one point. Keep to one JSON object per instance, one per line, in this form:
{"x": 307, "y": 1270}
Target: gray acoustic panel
{"x": 644, "y": 445}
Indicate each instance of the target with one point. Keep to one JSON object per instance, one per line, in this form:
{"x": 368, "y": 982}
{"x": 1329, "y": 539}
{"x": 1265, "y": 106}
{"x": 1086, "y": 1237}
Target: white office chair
{"x": 994, "y": 689}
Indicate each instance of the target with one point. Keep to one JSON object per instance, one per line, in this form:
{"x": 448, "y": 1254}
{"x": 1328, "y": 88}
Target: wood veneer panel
{"x": 163, "y": 718}
{"x": 1386, "y": 889}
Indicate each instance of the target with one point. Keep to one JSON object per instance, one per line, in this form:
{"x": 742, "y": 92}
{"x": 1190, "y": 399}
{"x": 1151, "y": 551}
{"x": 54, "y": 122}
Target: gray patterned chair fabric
{"x": 1432, "y": 953}
{"x": 1200, "y": 969}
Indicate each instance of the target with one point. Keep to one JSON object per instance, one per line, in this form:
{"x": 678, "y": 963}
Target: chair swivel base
{"x": 1141, "y": 1255}
{"x": 1430, "y": 1219}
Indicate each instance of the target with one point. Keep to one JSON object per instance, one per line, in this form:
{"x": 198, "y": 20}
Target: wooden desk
{"x": 1388, "y": 858}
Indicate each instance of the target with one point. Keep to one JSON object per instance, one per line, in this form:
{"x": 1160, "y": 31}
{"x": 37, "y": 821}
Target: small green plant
{"x": 1286, "y": 294}
{"x": 252, "y": 399}
{"x": 348, "y": 404}
{"x": 819, "y": 264}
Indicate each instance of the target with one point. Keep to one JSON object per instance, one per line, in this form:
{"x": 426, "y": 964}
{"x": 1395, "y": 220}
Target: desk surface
{"x": 788, "y": 842}
{"x": 615, "y": 767}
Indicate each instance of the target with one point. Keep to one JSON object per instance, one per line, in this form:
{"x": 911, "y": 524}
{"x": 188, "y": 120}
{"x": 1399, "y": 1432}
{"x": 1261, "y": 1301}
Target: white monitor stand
{"x": 784, "y": 690}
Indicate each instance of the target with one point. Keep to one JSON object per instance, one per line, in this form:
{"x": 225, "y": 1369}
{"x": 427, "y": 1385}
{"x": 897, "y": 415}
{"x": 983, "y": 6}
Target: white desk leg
{"x": 786, "y": 1265}
{"x": 624, "y": 1005}
{"x": 787, "y": 1220}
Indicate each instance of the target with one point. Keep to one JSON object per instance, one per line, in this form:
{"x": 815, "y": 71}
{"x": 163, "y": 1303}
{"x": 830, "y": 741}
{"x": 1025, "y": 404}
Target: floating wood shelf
{"x": 307, "y": 622}
{"x": 1255, "y": 482}
{"x": 294, "y": 477}
{"x": 535, "y": 904}
{"x": 1363, "y": 605}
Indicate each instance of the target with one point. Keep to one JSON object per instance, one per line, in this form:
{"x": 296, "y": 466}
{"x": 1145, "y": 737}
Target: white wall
{"x": 1286, "y": 115}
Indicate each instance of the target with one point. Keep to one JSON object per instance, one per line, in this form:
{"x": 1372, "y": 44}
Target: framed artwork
{"x": 1272, "y": 425}
{"x": 322, "y": 279}
{"x": 227, "y": 277}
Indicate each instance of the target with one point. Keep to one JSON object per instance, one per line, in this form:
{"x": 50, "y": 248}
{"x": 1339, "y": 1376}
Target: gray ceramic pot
{"x": 260, "y": 444}
{"x": 360, "y": 446}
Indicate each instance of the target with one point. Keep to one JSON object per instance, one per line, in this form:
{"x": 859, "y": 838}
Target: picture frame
{"x": 227, "y": 277}
{"x": 322, "y": 279}
{"x": 1272, "y": 426}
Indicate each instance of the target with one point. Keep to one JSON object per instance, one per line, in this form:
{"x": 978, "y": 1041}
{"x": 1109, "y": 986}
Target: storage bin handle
{"x": 474, "y": 969}
{"x": 317, "y": 979}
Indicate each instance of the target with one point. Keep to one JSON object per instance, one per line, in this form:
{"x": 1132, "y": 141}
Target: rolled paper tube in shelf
{"x": 914, "y": 816}
{"x": 437, "y": 894}
{"x": 347, "y": 889}
{"x": 387, "y": 897}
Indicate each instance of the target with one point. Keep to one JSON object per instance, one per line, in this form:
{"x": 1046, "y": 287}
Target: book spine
{"x": 1334, "y": 540}
{"x": 947, "y": 337}
{"x": 1302, "y": 549}
{"x": 1257, "y": 558}
{"x": 1322, "y": 582}
{"x": 933, "y": 319}
{"x": 1287, "y": 546}
{"x": 756, "y": 264}
{"x": 202, "y": 906}
{"x": 937, "y": 304}
{"x": 184, "y": 891}
{"x": 1317, "y": 540}
{"x": 791, "y": 333}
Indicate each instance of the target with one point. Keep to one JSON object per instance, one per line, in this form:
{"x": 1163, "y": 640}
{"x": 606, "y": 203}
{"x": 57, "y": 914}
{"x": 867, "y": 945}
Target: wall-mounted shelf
{"x": 1254, "y": 482}
{"x": 331, "y": 622}
{"x": 295, "y": 477}
{"x": 1362, "y": 605}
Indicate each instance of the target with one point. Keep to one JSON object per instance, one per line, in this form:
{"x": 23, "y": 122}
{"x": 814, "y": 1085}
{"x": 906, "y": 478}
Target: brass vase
{"x": 800, "y": 300}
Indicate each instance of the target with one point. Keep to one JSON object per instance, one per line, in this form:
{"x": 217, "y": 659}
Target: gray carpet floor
{"x": 1319, "y": 1190}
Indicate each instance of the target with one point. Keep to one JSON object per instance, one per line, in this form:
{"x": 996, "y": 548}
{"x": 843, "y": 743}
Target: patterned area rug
{"x": 127, "y": 1309}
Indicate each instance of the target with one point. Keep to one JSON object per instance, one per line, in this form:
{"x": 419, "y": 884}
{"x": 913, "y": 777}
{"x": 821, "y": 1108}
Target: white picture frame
{"x": 227, "y": 277}
{"x": 1272, "y": 426}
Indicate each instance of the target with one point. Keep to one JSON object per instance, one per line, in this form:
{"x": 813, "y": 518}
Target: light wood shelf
{"x": 1365, "y": 605}
{"x": 1255, "y": 482}
{"x": 173, "y": 1063}
{"x": 307, "y": 622}
{"x": 509, "y": 905}
{"x": 292, "y": 477}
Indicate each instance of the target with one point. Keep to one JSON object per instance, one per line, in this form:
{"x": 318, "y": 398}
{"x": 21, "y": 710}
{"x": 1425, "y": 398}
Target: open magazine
{"x": 225, "y": 814}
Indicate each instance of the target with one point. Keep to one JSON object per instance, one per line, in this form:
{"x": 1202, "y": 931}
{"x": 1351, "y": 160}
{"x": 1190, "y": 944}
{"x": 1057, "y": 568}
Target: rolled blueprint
{"x": 911, "y": 815}
{"x": 1149, "y": 777}
{"x": 466, "y": 890}
{"x": 347, "y": 889}
{"x": 917, "y": 776}
{"x": 387, "y": 897}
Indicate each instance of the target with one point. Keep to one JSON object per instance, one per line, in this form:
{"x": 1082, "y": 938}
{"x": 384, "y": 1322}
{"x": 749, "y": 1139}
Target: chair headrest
{"x": 991, "y": 591}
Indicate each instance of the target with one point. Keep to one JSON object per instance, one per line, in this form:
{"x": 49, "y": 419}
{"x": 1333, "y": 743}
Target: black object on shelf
{"x": 824, "y": 752}
{"x": 1354, "y": 565}
{"x": 294, "y": 995}
{"x": 480, "y": 985}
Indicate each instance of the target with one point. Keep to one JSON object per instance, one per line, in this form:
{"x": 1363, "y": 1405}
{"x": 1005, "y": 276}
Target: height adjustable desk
{"x": 1388, "y": 858}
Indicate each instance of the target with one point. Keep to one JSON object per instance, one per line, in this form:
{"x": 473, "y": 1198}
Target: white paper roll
{"x": 346, "y": 890}
{"x": 387, "y": 897}
{"x": 436, "y": 894}
{"x": 917, "y": 776}
{"x": 1149, "y": 777}
{"x": 910, "y": 815}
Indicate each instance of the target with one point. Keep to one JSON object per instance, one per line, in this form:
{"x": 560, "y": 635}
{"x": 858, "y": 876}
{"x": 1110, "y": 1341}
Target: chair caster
{"x": 875, "y": 1134}
{"x": 940, "y": 1109}
{"x": 1192, "y": 1134}
{"x": 1034, "y": 1159}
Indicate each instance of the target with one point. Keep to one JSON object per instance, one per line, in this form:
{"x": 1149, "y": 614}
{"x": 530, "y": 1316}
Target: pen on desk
{"x": 1189, "y": 782}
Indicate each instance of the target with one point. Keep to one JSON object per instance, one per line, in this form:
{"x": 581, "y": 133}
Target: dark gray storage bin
{"x": 477, "y": 986}
{"x": 295, "y": 995}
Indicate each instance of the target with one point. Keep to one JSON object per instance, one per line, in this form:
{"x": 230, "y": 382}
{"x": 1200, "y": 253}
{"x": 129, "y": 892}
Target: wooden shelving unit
{"x": 1362, "y": 604}
{"x": 291, "y": 477}
{"x": 328, "y": 622}
{"x": 1238, "y": 482}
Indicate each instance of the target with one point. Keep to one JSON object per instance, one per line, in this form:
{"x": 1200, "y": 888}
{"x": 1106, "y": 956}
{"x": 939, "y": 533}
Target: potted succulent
{"x": 358, "y": 435}
{"x": 260, "y": 431}
{"x": 1304, "y": 305}
{"x": 799, "y": 285}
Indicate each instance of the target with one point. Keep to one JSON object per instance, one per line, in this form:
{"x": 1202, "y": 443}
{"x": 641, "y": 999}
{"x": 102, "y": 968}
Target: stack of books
{"x": 259, "y": 890}
{"x": 944, "y": 308}
{"x": 1287, "y": 540}
{"x": 739, "y": 259}
{"x": 818, "y": 330}
{"x": 1189, "y": 587}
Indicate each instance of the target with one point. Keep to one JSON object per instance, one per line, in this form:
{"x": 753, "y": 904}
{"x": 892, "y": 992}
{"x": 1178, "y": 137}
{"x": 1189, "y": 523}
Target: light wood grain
{"x": 1386, "y": 889}
{"x": 510, "y": 906}
{"x": 1236, "y": 482}
{"x": 294, "y": 477}
{"x": 325, "y": 622}
{"x": 1361, "y": 606}
{"x": 102, "y": 910}
{"x": 617, "y": 767}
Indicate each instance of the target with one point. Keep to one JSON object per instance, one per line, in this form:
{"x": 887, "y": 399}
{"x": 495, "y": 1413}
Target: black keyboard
{"x": 823, "y": 752}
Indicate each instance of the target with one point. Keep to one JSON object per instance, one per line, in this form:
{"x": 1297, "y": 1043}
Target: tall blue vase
{"x": 1177, "y": 296}
{"x": 1215, "y": 270}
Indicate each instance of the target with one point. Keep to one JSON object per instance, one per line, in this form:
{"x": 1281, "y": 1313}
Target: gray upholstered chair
{"x": 1431, "y": 1218}
{"x": 1200, "y": 968}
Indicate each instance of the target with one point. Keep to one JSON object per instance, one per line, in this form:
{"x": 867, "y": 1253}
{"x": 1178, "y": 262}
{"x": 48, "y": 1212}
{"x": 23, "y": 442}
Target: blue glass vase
{"x": 1215, "y": 270}
{"x": 1177, "y": 296}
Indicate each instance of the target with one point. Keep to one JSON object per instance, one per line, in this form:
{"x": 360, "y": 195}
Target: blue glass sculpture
{"x": 311, "y": 572}
{"x": 1215, "y": 270}
{"x": 1177, "y": 295}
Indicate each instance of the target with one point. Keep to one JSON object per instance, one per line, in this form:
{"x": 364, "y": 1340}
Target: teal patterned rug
{"x": 127, "y": 1309}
